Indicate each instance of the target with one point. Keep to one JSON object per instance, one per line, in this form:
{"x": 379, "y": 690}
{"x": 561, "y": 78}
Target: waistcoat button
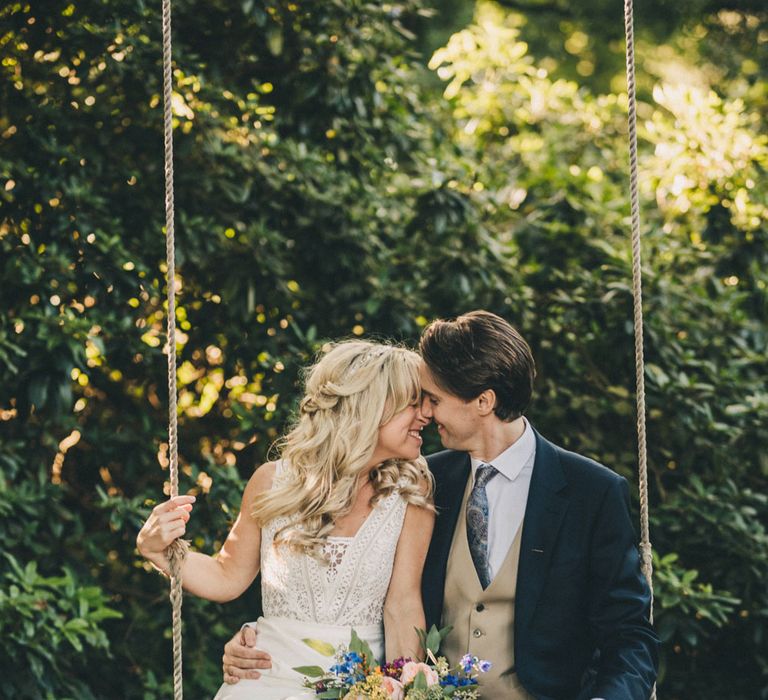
{"x": 477, "y": 633}
{"x": 480, "y": 607}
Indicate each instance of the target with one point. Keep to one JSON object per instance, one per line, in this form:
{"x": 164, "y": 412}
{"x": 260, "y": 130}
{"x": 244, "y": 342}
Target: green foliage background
{"x": 329, "y": 183}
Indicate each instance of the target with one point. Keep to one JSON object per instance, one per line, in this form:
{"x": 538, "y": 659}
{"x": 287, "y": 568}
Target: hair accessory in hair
{"x": 366, "y": 358}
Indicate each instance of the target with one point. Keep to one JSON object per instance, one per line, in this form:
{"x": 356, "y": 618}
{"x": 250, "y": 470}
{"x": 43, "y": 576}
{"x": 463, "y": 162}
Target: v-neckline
{"x": 349, "y": 542}
{"x": 352, "y": 538}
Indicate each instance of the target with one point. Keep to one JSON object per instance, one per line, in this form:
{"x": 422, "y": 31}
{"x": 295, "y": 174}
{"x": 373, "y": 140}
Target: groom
{"x": 533, "y": 561}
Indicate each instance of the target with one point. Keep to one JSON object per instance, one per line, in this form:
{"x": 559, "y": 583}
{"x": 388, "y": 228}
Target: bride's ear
{"x": 486, "y": 402}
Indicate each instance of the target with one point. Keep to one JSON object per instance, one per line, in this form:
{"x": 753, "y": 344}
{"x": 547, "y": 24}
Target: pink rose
{"x": 393, "y": 688}
{"x": 411, "y": 670}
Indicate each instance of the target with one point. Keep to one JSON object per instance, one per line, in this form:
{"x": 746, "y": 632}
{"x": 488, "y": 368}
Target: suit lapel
{"x": 544, "y": 513}
{"x": 448, "y": 495}
{"x": 450, "y": 483}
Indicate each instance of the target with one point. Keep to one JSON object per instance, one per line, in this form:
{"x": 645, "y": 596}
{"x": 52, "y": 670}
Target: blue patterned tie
{"x": 477, "y": 522}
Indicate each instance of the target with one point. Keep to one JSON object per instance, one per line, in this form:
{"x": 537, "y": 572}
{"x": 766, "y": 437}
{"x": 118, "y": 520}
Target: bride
{"x": 339, "y": 526}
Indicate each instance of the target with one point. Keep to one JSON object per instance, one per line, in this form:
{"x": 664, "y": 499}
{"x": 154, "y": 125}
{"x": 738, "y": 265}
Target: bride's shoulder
{"x": 261, "y": 479}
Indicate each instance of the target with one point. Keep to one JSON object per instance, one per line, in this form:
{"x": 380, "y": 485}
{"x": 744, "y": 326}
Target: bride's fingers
{"x": 165, "y": 521}
{"x": 177, "y": 531}
{"x": 164, "y": 534}
{"x": 172, "y": 516}
{"x": 166, "y": 524}
{"x": 181, "y": 506}
{"x": 173, "y": 503}
{"x": 169, "y": 512}
{"x": 171, "y": 532}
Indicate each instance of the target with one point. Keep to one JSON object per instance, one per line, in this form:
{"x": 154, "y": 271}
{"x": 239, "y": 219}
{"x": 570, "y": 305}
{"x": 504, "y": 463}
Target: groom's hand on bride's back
{"x": 241, "y": 657}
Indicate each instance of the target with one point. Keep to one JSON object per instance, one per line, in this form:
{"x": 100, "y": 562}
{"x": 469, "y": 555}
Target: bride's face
{"x": 400, "y": 438}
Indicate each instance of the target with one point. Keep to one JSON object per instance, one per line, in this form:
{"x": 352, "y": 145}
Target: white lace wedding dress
{"x": 303, "y": 597}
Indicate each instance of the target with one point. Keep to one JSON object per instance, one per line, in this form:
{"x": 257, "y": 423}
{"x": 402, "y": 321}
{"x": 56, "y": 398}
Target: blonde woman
{"x": 339, "y": 526}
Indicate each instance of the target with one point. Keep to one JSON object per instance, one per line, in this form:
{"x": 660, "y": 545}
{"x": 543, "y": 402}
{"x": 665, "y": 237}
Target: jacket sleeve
{"x": 619, "y": 604}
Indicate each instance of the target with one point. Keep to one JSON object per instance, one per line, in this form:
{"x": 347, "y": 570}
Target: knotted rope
{"x": 177, "y": 550}
{"x": 637, "y": 292}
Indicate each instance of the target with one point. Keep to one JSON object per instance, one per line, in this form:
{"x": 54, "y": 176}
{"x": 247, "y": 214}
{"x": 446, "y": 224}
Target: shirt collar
{"x": 515, "y": 458}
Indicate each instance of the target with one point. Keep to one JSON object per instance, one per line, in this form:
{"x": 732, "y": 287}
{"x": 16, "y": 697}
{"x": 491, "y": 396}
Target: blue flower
{"x": 466, "y": 663}
{"x": 343, "y": 669}
{"x": 450, "y": 679}
{"x": 484, "y": 666}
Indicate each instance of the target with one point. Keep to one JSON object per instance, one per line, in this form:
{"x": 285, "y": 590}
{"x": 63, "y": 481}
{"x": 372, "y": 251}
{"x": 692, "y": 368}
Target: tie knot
{"x": 485, "y": 472}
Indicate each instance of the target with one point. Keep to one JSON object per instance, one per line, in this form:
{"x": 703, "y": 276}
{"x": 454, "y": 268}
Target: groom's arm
{"x": 619, "y": 605}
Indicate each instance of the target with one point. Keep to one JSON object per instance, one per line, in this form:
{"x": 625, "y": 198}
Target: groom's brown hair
{"x": 477, "y": 351}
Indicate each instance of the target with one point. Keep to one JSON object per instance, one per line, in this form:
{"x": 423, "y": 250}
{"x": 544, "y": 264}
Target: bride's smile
{"x": 400, "y": 437}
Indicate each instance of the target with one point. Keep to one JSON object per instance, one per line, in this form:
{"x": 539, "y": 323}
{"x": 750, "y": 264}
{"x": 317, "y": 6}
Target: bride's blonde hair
{"x": 352, "y": 390}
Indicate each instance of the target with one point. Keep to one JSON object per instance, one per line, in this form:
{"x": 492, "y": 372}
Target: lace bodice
{"x": 347, "y": 589}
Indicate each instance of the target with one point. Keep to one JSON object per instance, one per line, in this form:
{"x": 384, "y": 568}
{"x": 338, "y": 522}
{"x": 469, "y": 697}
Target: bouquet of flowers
{"x": 356, "y": 676}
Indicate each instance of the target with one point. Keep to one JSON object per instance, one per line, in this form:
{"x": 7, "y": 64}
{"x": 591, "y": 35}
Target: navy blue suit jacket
{"x": 581, "y": 608}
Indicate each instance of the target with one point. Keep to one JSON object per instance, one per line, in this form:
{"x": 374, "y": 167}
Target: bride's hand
{"x": 167, "y": 522}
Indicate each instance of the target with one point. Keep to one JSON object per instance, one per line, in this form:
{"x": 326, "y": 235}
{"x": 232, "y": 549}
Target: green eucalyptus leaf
{"x": 311, "y": 671}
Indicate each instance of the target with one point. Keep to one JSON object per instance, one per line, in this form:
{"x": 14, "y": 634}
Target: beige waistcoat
{"x": 483, "y": 620}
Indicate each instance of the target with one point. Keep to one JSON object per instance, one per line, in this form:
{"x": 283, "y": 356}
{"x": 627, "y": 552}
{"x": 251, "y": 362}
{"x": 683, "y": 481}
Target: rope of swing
{"x": 177, "y": 550}
{"x": 637, "y": 293}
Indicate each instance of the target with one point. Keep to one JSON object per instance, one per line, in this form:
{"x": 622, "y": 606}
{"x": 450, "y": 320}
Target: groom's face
{"x": 456, "y": 419}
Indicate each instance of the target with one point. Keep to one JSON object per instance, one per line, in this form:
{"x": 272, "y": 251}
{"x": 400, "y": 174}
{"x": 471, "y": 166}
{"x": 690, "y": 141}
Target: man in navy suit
{"x": 557, "y": 591}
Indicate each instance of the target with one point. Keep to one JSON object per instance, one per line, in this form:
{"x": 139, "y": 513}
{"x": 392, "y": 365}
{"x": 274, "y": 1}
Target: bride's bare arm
{"x": 403, "y": 608}
{"x": 225, "y": 576}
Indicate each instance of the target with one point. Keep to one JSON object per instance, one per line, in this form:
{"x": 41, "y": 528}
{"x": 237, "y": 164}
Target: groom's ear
{"x": 486, "y": 402}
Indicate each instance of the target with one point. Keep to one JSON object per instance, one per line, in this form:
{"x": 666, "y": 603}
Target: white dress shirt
{"x": 507, "y": 495}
